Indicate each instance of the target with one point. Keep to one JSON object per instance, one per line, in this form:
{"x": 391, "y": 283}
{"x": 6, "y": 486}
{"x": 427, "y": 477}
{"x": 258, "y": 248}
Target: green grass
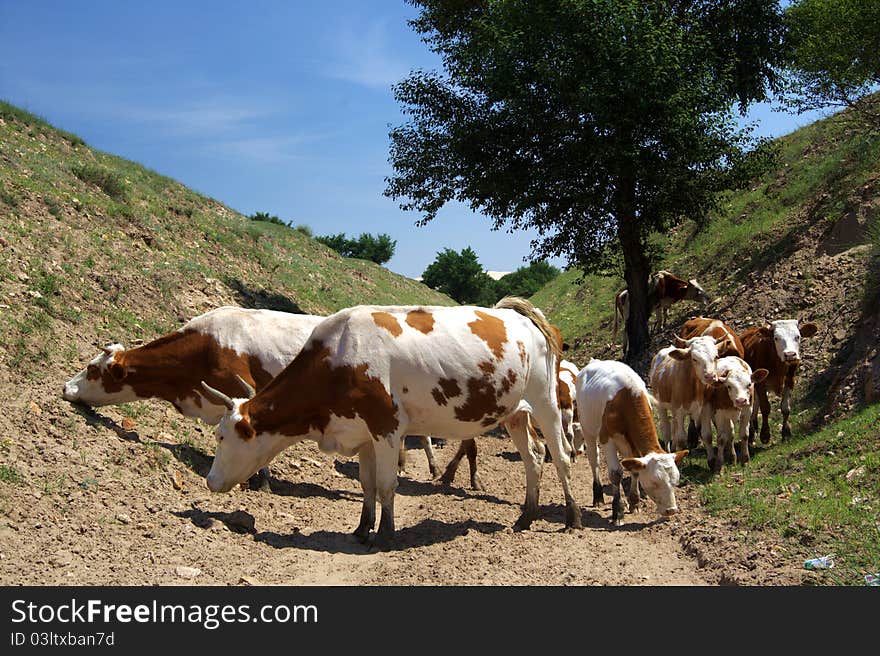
{"x": 800, "y": 491}
{"x": 111, "y": 182}
{"x": 8, "y": 474}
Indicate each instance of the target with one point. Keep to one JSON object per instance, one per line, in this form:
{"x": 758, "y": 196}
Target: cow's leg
{"x": 765, "y": 413}
{"x": 429, "y": 452}
{"x": 693, "y": 433}
{"x": 401, "y": 457}
{"x": 744, "y": 420}
{"x": 471, "y": 447}
{"x": 591, "y": 445}
{"x": 449, "y": 475}
{"x": 533, "y": 460}
{"x": 550, "y": 423}
{"x": 712, "y": 455}
{"x": 615, "y": 470}
{"x": 260, "y": 481}
{"x": 666, "y": 428}
{"x": 367, "y": 474}
{"x": 786, "y": 402}
{"x": 725, "y": 437}
{"x": 632, "y": 496}
{"x": 386, "y": 449}
{"x": 679, "y": 437}
{"x": 578, "y": 443}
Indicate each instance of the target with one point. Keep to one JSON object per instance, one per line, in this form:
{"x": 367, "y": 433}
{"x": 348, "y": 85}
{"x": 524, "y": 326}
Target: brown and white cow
{"x": 369, "y": 375}
{"x": 218, "y": 347}
{"x": 680, "y": 378}
{"x": 730, "y": 401}
{"x": 664, "y": 289}
{"x": 614, "y": 409}
{"x": 775, "y": 347}
{"x": 698, "y": 326}
{"x": 731, "y": 346}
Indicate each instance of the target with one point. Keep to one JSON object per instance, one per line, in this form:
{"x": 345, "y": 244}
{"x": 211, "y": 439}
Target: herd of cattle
{"x": 361, "y": 380}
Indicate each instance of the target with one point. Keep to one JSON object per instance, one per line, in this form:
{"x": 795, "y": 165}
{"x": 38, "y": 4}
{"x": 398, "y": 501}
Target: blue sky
{"x": 276, "y": 106}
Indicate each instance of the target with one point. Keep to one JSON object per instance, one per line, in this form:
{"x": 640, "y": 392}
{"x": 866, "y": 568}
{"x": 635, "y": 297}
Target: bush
{"x": 109, "y": 181}
{"x": 378, "y": 249}
{"x": 305, "y": 230}
{"x": 268, "y": 218}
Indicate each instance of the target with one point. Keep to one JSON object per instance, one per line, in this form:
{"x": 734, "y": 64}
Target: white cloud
{"x": 362, "y": 54}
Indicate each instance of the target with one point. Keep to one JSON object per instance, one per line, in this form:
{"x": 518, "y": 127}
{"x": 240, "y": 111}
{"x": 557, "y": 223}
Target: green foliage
{"x": 834, "y": 55}
{"x": 526, "y": 280}
{"x": 461, "y": 276}
{"x": 111, "y": 182}
{"x": 268, "y": 218}
{"x": 303, "y": 229}
{"x": 8, "y": 474}
{"x": 594, "y": 122}
{"x": 378, "y": 248}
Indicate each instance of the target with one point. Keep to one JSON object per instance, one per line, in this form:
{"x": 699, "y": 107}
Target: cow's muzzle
{"x": 669, "y": 512}
{"x": 70, "y": 392}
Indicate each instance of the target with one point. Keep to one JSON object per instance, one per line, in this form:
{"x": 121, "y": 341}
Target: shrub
{"x": 109, "y": 181}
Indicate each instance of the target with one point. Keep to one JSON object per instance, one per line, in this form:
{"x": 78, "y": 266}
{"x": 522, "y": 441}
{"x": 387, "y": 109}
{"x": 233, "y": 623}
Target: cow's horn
{"x": 679, "y": 342}
{"x": 217, "y": 396}
{"x": 248, "y": 388}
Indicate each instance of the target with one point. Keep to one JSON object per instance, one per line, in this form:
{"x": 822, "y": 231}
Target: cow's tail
{"x": 533, "y": 314}
{"x": 616, "y": 308}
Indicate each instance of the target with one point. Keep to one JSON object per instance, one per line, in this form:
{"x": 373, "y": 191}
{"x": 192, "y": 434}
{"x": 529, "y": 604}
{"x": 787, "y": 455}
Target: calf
{"x": 614, "y": 409}
{"x": 664, "y": 289}
{"x": 680, "y": 376}
{"x": 369, "y": 375}
{"x": 730, "y": 400}
{"x": 731, "y": 346}
{"x": 775, "y": 347}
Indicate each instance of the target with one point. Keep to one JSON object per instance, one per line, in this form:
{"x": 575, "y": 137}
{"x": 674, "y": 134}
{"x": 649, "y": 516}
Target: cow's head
{"x": 737, "y": 378}
{"x": 240, "y": 451}
{"x": 696, "y": 293}
{"x": 102, "y": 382}
{"x": 702, "y": 352}
{"x": 787, "y": 335}
{"x": 659, "y": 475}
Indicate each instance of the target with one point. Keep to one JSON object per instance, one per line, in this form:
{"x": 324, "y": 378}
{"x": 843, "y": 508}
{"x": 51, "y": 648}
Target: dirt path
{"x": 106, "y": 499}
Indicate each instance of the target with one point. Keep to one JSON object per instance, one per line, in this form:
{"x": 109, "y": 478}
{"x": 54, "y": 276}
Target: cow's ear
{"x": 679, "y": 354}
{"x": 759, "y": 374}
{"x": 117, "y": 371}
{"x": 766, "y": 331}
{"x": 679, "y": 342}
{"x": 632, "y": 464}
{"x": 245, "y": 430}
{"x": 808, "y": 329}
{"x": 679, "y": 456}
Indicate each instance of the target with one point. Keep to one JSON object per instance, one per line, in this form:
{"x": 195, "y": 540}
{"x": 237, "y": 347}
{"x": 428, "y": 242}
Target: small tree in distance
{"x": 460, "y": 276}
{"x": 378, "y": 248}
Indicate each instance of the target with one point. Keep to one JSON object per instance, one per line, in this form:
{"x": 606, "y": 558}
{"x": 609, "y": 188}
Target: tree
{"x": 834, "y": 55}
{"x": 461, "y": 276}
{"x": 378, "y": 249}
{"x": 526, "y": 280}
{"x": 596, "y": 122}
{"x": 268, "y": 218}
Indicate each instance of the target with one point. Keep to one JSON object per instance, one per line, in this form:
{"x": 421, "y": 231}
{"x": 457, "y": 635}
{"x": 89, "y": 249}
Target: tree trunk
{"x": 636, "y": 272}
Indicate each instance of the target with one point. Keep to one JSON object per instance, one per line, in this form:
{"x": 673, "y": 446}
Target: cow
{"x": 680, "y": 377}
{"x": 776, "y": 347}
{"x": 664, "y": 289}
{"x": 730, "y": 400}
{"x": 731, "y": 346}
{"x": 368, "y": 375}
{"x": 614, "y": 409}
{"x": 224, "y": 346}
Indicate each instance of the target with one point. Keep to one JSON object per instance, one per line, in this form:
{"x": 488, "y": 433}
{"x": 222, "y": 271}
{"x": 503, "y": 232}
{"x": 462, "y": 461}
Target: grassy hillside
{"x": 94, "y": 248}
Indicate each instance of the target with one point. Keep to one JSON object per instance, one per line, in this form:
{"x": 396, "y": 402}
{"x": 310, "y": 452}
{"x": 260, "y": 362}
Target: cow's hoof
{"x": 765, "y": 437}
{"x": 435, "y": 472}
{"x": 447, "y": 480}
{"x": 786, "y": 433}
{"x": 616, "y": 522}
{"x": 573, "y": 519}
{"x": 382, "y": 542}
{"x": 361, "y": 534}
{"x": 524, "y": 523}
{"x": 477, "y": 485}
